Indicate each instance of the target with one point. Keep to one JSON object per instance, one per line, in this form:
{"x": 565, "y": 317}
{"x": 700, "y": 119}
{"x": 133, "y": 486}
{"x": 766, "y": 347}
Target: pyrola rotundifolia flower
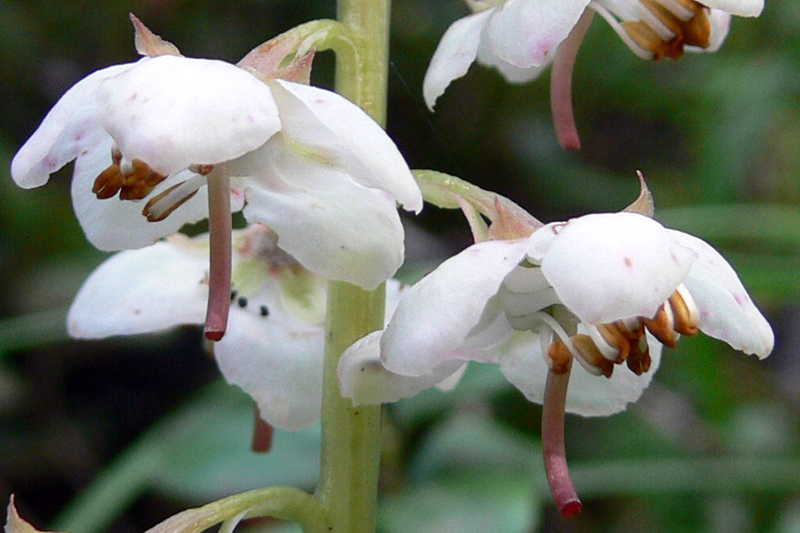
{"x": 603, "y": 290}
{"x": 522, "y": 37}
{"x": 178, "y": 139}
{"x": 273, "y": 348}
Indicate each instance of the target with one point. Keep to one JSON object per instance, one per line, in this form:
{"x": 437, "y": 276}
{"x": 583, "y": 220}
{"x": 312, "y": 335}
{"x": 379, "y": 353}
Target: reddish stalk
{"x": 555, "y": 455}
{"x": 561, "y": 83}
{"x": 220, "y": 228}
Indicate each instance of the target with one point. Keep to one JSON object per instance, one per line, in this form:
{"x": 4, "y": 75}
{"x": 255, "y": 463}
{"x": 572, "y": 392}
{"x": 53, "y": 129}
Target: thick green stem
{"x": 351, "y": 435}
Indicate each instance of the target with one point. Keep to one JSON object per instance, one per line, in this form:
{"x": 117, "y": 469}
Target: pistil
{"x": 555, "y": 455}
{"x": 220, "y": 228}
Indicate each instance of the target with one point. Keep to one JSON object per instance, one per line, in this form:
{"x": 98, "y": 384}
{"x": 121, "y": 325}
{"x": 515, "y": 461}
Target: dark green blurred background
{"x": 713, "y": 445}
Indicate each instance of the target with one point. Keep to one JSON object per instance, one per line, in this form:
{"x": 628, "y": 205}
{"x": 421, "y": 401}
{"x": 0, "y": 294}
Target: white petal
{"x": 611, "y": 266}
{"x": 525, "y": 32}
{"x": 69, "y": 128}
{"x": 172, "y": 112}
{"x": 364, "y": 379}
{"x": 278, "y": 362}
{"x": 438, "y": 314}
{"x": 512, "y": 73}
{"x": 332, "y": 226}
{"x": 742, "y": 8}
{"x": 114, "y": 224}
{"x": 720, "y": 25}
{"x": 142, "y": 291}
{"x": 587, "y": 395}
{"x": 343, "y": 133}
{"x": 726, "y": 310}
{"x": 454, "y": 55}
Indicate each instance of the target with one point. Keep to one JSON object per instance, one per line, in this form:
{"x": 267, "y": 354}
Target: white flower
{"x": 609, "y": 279}
{"x": 197, "y": 137}
{"x": 305, "y": 160}
{"x": 601, "y": 289}
{"x": 274, "y": 345}
{"x": 522, "y": 37}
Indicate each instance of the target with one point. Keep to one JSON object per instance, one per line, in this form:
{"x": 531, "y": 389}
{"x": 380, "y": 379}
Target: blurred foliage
{"x": 714, "y": 445}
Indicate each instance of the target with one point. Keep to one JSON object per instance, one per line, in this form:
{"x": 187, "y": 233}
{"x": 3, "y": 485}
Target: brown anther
{"x": 591, "y": 355}
{"x": 632, "y": 334}
{"x": 684, "y": 311}
{"x": 561, "y": 359}
{"x": 694, "y": 31}
{"x": 161, "y": 215}
{"x": 639, "y": 359}
{"x": 108, "y": 183}
{"x": 616, "y": 338}
{"x": 140, "y": 182}
{"x": 662, "y": 327}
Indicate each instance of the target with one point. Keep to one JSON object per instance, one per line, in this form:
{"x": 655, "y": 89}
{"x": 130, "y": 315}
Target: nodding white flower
{"x": 522, "y": 37}
{"x": 178, "y": 139}
{"x": 273, "y": 348}
{"x": 603, "y": 290}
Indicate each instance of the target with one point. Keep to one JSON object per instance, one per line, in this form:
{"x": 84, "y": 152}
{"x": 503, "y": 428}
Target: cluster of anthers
{"x": 525, "y": 294}
{"x": 654, "y": 29}
{"x": 135, "y": 180}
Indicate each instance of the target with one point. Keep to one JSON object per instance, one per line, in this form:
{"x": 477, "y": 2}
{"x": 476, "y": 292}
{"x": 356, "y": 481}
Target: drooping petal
{"x": 525, "y": 32}
{"x": 726, "y": 310}
{"x": 742, "y": 8}
{"x": 113, "y": 224}
{"x": 69, "y": 128}
{"x": 364, "y": 379}
{"x": 456, "y": 52}
{"x": 172, "y": 112}
{"x": 337, "y": 130}
{"x": 511, "y": 73}
{"x": 331, "y": 225}
{"x": 278, "y": 362}
{"x": 143, "y": 291}
{"x": 521, "y": 362}
{"x": 438, "y": 314}
{"x": 610, "y": 266}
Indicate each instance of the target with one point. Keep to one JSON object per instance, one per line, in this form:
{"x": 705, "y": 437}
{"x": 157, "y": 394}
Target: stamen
{"x": 108, "y": 183}
{"x": 555, "y": 455}
{"x": 220, "y": 226}
{"x": 262, "y": 434}
{"x": 164, "y": 203}
{"x": 140, "y": 182}
{"x": 611, "y": 342}
{"x": 662, "y": 326}
{"x": 591, "y": 356}
{"x": 639, "y": 359}
{"x": 560, "y": 360}
{"x": 686, "y": 315}
{"x": 561, "y": 83}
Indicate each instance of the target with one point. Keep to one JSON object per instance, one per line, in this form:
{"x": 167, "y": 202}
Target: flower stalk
{"x": 351, "y": 435}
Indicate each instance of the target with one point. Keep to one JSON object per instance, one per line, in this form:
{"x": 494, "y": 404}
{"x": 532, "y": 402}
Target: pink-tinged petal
{"x": 172, "y": 112}
{"x": 332, "y": 226}
{"x": 113, "y": 224}
{"x": 456, "y": 52}
{"x": 726, "y": 310}
{"x": 521, "y": 362}
{"x": 277, "y": 361}
{"x": 337, "y": 130}
{"x": 437, "y": 316}
{"x": 69, "y": 128}
{"x": 364, "y": 379}
{"x": 511, "y": 73}
{"x": 610, "y": 266}
{"x": 143, "y": 291}
{"x": 742, "y": 8}
{"x": 525, "y": 32}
